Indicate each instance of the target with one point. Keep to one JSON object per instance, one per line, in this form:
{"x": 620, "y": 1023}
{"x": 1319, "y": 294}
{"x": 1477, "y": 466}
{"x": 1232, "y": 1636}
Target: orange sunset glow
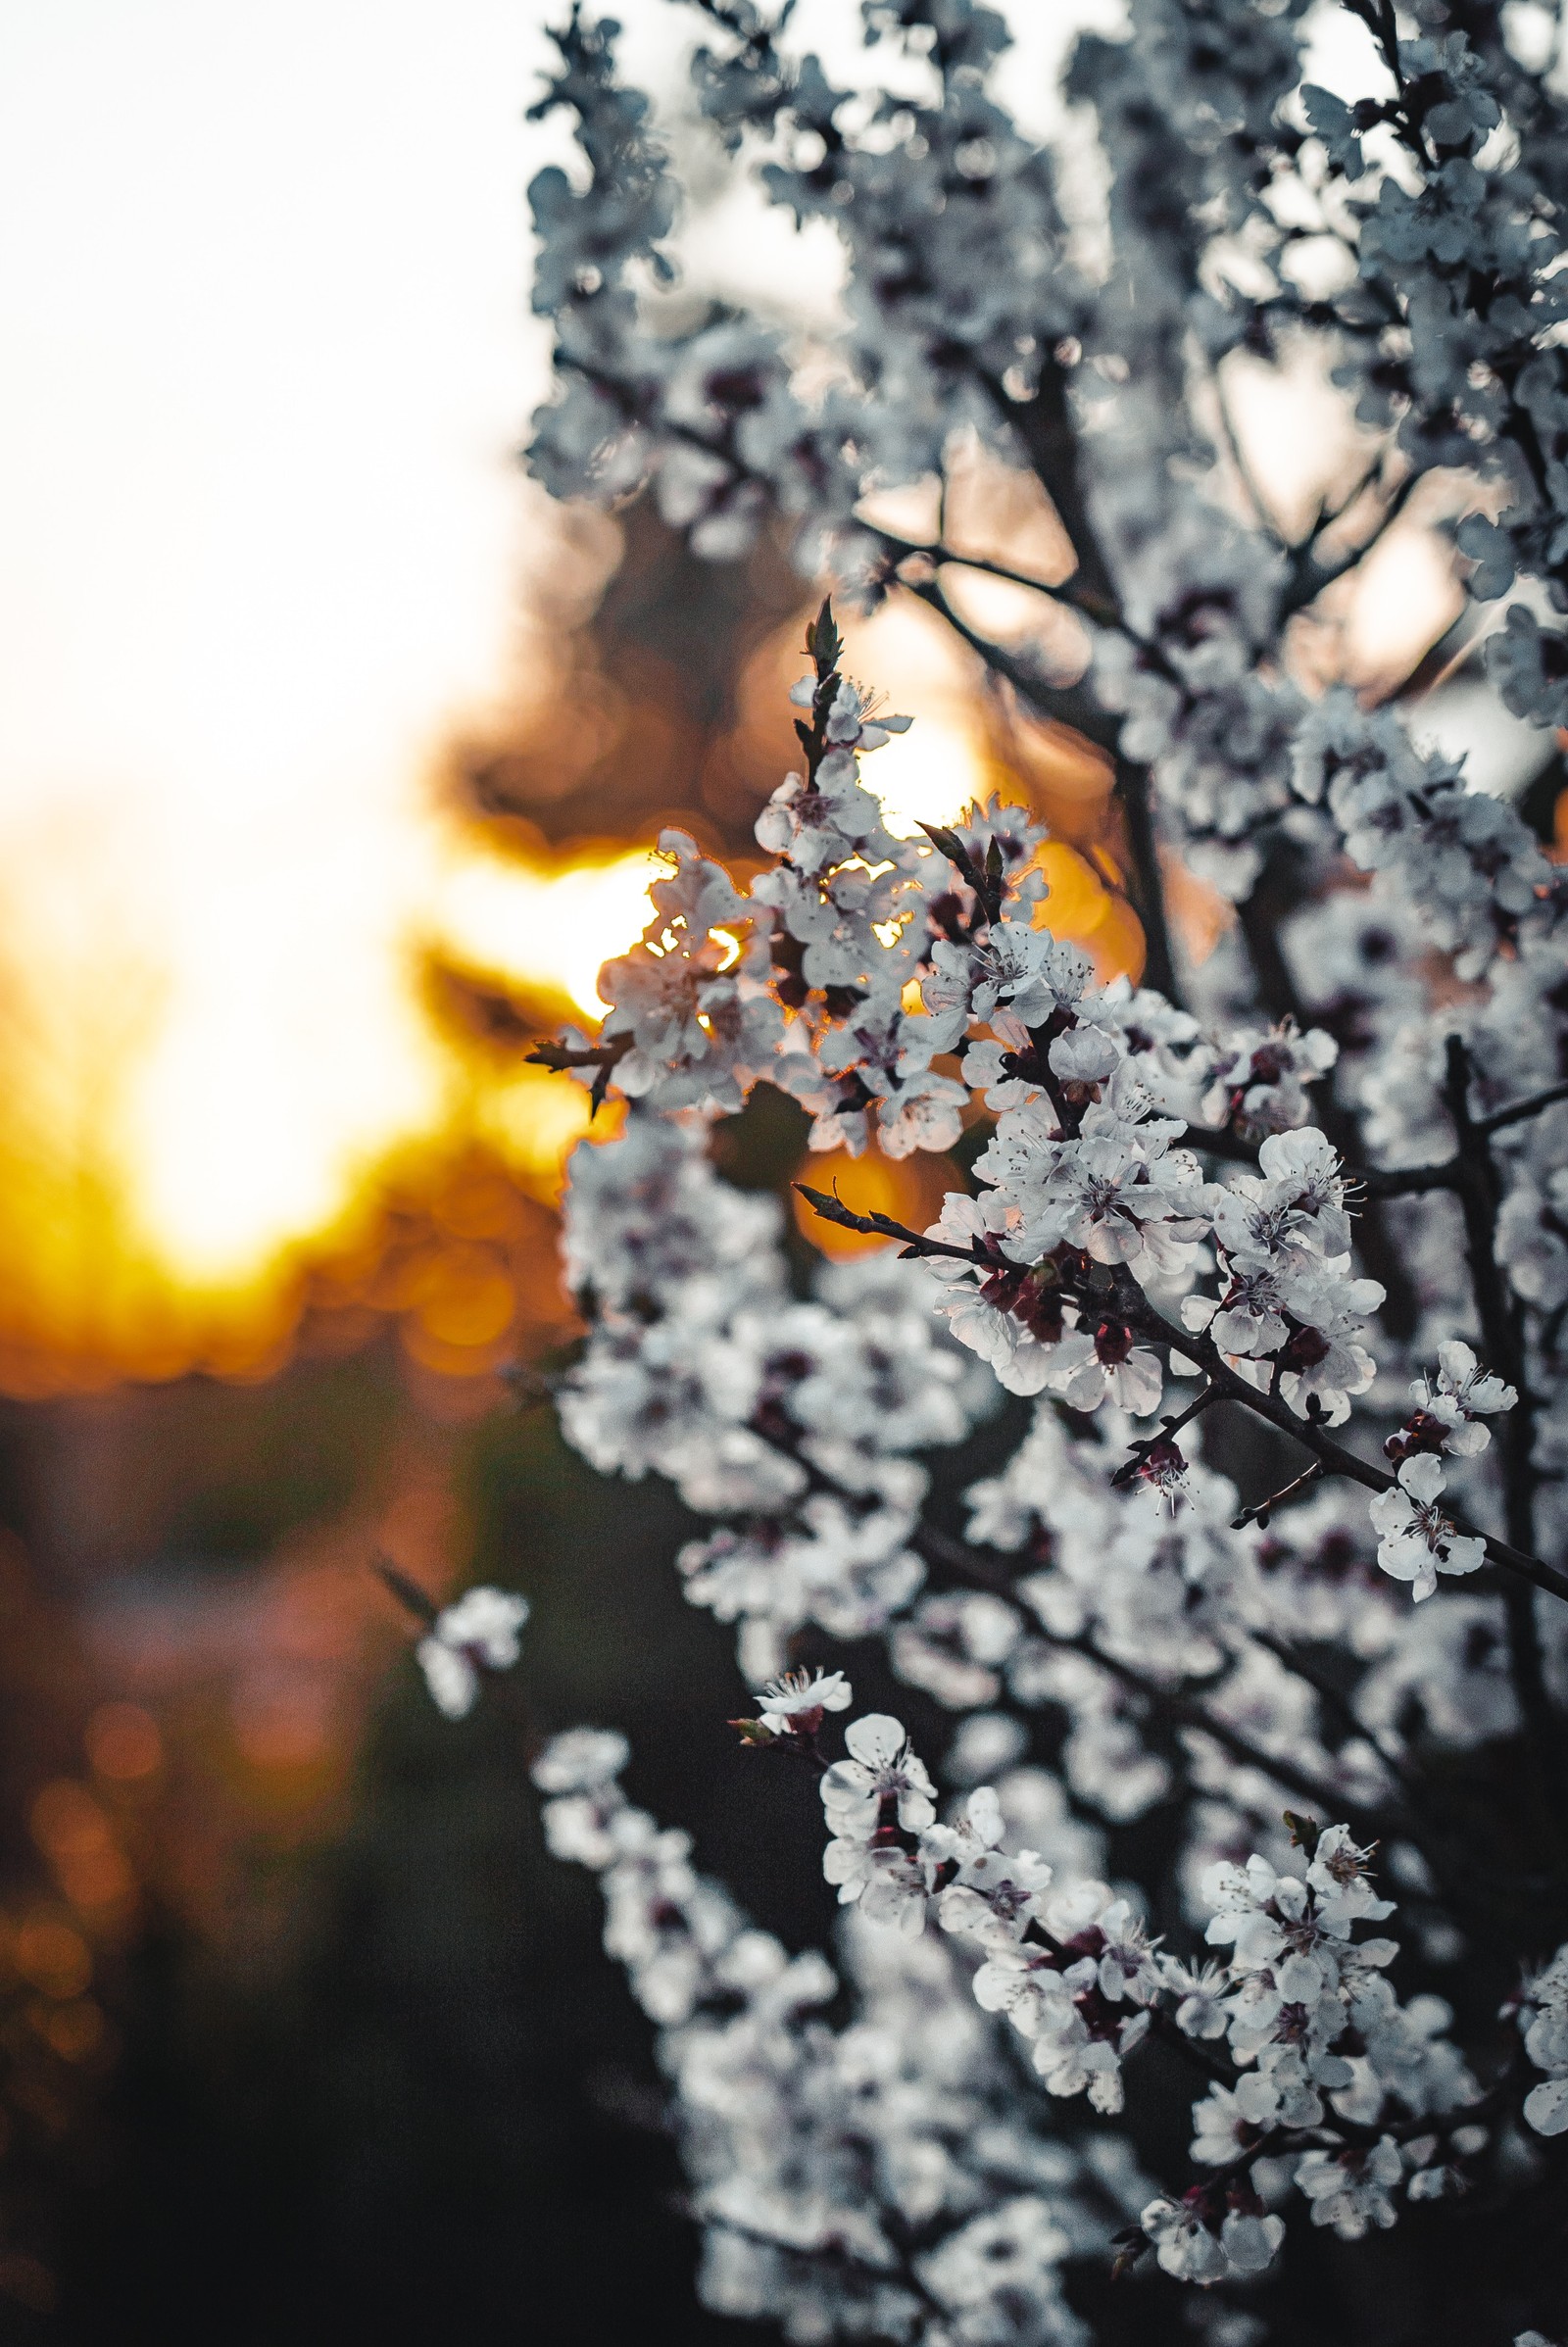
{"x": 217, "y": 1055}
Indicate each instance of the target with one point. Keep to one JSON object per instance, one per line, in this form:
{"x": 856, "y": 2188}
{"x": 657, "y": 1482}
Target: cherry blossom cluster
{"x": 797, "y": 1421}
{"x": 871, "y": 2178}
{"x": 1285, "y": 217}
{"x": 1318, "y": 2039}
{"x": 1200, "y": 1470}
{"x": 1113, "y": 1605}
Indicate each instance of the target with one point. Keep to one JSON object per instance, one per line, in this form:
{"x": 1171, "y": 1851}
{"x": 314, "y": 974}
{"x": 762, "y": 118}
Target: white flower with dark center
{"x": 1118, "y": 1201}
{"x": 1234, "y": 2118}
{"x": 1339, "y": 1880}
{"x": 1089, "y": 1368}
{"x": 1257, "y": 1083}
{"x": 1460, "y": 1397}
{"x": 1024, "y": 1981}
{"x": 1119, "y": 1958}
{"x": 794, "y": 1705}
{"x": 882, "y": 1779}
{"x": 1351, "y": 2190}
{"x": 1323, "y": 1360}
{"x": 1249, "y": 1322}
{"x": 1416, "y": 1541}
{"x": 1201, "y": 1989}
{"x": 1297, "y": 1207}
{"x": 1186, "y": 2244}
{"x": 888, "y": 1883}
{"x": 989, "y": 1893}
{"x": 479, "y": 1633}
{"x": 1273, "y": 1923}
{"x": 1029, "y": 971}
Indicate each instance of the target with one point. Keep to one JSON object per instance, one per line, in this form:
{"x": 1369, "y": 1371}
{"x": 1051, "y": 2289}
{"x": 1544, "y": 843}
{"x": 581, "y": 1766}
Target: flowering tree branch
{"x": 1261, "y": 1182}
{"x": 1132, "y": 1306}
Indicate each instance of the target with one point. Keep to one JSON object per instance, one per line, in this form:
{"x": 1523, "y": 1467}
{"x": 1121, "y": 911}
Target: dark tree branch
{"x": 835, "y": 2255}
{"x": 1046, "y": 432}
{"x": 606, "y": 1056}
{"x": 1170, "y": 1428}
{"x": 1536, "y": 1106}
{"x": 1310, "y": 577}
{"x": 1074, "y": 706}
{"x": 882, "y": 1226}
{"x": 1061, "y": 704}
{"x": 1261, "y": 1511}
{"x": 1136, "y": 791}
{"x": 1130, "y": 1304}
{"x": 1130, "y": 1300}
{"x": 1069, "y": 592}
{"x": 1480, "y": 1192}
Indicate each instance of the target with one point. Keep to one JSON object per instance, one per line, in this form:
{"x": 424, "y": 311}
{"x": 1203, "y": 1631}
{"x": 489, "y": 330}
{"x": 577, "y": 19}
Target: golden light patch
{"x": 910, "y": 1189}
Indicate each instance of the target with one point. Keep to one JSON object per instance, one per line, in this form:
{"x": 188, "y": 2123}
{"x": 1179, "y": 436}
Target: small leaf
{"x": 823, "y": 640}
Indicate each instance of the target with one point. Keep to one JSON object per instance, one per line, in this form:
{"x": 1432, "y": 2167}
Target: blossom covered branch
{"x": 1301, "y": 1200}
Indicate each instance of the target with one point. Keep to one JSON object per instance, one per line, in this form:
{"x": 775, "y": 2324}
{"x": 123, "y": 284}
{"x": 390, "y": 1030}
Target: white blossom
{"x": 1416, "y": 1541}
{"x": 1351, "y": 2190}
{"x": 480, "y": 1633}
{"x": 797, "y": 1701}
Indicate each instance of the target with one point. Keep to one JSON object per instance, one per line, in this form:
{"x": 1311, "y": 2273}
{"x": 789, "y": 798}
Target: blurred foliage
{"x": 274, "y": 1457}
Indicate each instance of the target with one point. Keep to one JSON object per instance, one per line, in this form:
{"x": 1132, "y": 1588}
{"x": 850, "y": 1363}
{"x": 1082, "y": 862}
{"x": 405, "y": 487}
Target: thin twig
{"x": 1336, "y": 1700}
{"x": 1068, "y": 591}
{"x": 1135, "y": 1308}
{"x": 1400, "y": 1181}
{"x": 1535, "y": 1105}
{"x": 1170, "y": 1428}
{"x": 830, "y": 2254}
{"x": 1063, "y": 705}
{"x": 1261, "y": 1511}
{"x": 1309, "y": 578}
